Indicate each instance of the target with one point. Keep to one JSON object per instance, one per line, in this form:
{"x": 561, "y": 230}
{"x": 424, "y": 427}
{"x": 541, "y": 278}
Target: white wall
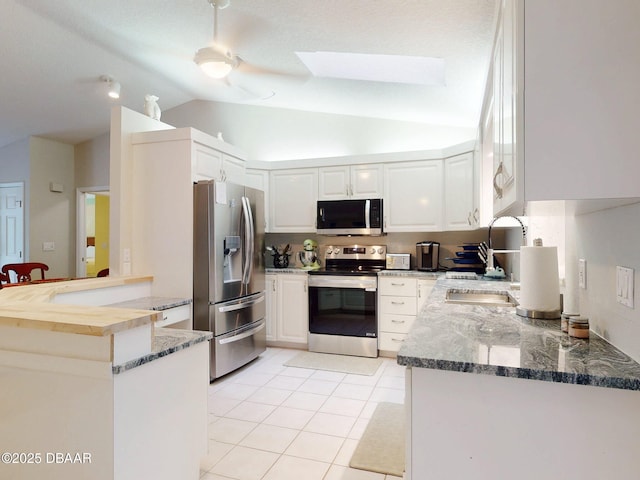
{"x": 52, "y": 214}
{"x": 606, "y": 239}
{"x": 268, "y": 134}
{"x": 92, "y": 162}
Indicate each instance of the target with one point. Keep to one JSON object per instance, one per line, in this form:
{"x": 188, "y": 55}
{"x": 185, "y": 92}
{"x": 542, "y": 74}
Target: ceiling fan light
{"x": 114, "y": 90}
{"x": 213, "y": 62}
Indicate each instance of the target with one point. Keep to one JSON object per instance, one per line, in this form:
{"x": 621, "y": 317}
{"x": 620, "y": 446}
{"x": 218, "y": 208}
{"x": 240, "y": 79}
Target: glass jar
{"x": 579, "y": 327}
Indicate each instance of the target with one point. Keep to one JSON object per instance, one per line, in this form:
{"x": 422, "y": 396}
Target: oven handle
{"x": 330, "y": 281}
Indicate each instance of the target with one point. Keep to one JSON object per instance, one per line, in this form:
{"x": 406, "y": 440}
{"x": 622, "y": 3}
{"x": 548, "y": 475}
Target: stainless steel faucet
{"x": 491, "y": 251}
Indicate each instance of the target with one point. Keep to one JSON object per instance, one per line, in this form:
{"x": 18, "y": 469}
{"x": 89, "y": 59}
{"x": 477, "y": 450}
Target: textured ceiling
{"x": 53, "y": 54}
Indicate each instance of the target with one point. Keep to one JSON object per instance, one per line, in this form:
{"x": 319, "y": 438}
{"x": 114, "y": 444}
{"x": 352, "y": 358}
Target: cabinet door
{"x": 333, "y": 183}
{"x": 413, "y": 196}
{"x": 459, "y": 183}
{"x": 424, "y": 290}
{"x": 366, "y": 181}
{"x": 294, "y": 194}
{"x": 271, "y": 299}
{"x": 260, "y": 179}
{"x": 206, "y": 163}
{"x": 293, "y": 308}
{"x": 233, "y": 169}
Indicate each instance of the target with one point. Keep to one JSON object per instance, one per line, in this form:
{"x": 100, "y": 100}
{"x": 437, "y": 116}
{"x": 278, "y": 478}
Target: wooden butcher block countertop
{"x": 28, "y": 306}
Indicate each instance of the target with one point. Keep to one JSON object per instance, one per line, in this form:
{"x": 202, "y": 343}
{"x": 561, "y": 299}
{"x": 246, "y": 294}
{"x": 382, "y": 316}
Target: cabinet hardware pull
{"x": 398, "y": 340}
{"x": 397, "y": 284}
{"x": 496, "y": 187}
{"x": 397, "y": 303}
{"x": 397, "y": 321}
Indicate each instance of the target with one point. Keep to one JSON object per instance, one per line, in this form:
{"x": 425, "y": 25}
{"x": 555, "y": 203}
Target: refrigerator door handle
{"x": 244, "y": 334}
{"x": 248, "y": 241}
{"x": 241, "y": 304}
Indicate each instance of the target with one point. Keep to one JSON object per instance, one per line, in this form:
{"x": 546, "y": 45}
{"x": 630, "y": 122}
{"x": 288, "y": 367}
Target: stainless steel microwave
{"x": 349, "y": 217}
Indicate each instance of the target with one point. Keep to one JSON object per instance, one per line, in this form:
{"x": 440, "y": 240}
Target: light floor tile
{"x": 392, "y": 477}
{"x": 270, "y": 396}
{"x": 369, "y": 408}
{"x": 215, "y": 452}
{"x": 286, "y": 383}
{"x": 356, "y": 392}
{"x": 230, "y": 430}
{"x": 343, "y": 406}
{"x": 251, "y": 412}
{"x": 346, "y": 452}
{"x": 253, "y": 378}
{"x": 244, "y": 463}
{"x": 320, "y": 387}
{"x": 315, "y": 446}
{"x": 213, "y": 476}
{"x": 367, "y": 380}
{"x": 330, "y": 424}
{"x": 236, "y": 391}
{"x": 395, "y": 370}
{"x": 289, "y": 417}
{"x": 270, "y": 438}
{"x": 270, "y": 367}
{"x": 392, "y": 395}
{"x": 388, "y": 381}
{"x": 338, "y": 472}
{"x": 219, "y": 406}
{"x": 328, "y": 376}
{"x": 297, "y": 372}
{"x": 305, "y": 401}
{"x": 358, "y": 428}
{"x": 293, "y": 468}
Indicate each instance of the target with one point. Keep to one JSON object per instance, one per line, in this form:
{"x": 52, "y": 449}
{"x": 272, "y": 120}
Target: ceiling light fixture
{"x": 114, "y": 87}
{"x": 214, "y": 60}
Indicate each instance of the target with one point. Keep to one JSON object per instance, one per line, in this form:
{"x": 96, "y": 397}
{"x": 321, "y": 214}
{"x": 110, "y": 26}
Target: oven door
{"x": 343, "y": 305}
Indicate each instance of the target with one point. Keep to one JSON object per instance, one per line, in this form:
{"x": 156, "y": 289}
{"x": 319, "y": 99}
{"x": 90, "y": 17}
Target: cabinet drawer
{"x": 397, "y": 286}
{"x": 390, "y": 342}
{"x": 396, "y": 323}
{"x": 174, "y": 315}
{"x": 398, "y": 305}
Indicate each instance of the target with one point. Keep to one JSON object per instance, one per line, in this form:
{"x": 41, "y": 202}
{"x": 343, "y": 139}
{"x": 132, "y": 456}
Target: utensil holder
{"x": 280, "y": 260}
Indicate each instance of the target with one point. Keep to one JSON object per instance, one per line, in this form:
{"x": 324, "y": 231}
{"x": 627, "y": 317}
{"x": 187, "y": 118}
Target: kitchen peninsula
{"x": 98, "y": 392}
{"x": 494, "y": 395}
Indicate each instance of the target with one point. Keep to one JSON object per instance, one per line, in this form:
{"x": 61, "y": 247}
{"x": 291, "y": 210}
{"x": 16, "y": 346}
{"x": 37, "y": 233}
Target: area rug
{"x": 381, "y": 448}
{"x": 336, "y": 363}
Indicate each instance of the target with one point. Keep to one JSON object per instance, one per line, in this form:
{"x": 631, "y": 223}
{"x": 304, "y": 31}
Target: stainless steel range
{"x": 343, "y": 301}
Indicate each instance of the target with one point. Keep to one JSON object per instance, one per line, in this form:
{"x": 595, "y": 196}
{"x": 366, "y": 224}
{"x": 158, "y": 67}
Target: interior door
{"x": 11, "y": 223}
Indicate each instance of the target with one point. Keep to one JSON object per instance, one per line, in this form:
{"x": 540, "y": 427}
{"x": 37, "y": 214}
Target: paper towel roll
{"x": 539, "y": 283}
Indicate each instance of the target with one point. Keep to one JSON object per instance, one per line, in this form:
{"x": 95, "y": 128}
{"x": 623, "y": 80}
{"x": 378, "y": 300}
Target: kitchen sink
{"x": 480, "y": 297}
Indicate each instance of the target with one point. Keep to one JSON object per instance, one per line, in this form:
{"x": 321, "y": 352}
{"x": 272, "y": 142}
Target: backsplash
{"x": 396, "y": 242}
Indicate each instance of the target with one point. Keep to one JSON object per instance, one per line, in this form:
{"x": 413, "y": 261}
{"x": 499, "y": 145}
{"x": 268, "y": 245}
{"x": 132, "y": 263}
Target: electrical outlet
{"x": 624, "y": 286}
{"x": 582, "y": 273}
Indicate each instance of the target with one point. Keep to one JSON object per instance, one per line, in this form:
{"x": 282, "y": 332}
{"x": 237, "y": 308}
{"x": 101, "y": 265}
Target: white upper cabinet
{"x": 293, "y": 196}
{"x": 508, "y": 165}
{"x": 256, "y": 178}
{"x": 350, "y": 181}
{"x": 413, "y": 196}
{"x": 460, "y": 211}
{"x": 582, "y": 78}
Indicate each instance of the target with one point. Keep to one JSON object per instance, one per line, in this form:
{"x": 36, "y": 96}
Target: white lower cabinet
{"x": 399, "y": 301}
{"x": 176, "y": 317}
{"x": 287, "y": 307}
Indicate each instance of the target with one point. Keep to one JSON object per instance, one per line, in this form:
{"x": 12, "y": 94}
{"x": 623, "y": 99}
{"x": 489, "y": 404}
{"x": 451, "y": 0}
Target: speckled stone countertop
{"x": 495, "y": 341}
{"x": 152, "y": 303}
{"x": 165, "y": 342}
{"x": 286, "y": 270}
{"x": 410, "y": 273}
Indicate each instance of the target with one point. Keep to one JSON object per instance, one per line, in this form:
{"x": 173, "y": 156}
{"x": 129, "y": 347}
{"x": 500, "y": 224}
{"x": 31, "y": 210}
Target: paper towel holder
{"x": 540, "y": 314}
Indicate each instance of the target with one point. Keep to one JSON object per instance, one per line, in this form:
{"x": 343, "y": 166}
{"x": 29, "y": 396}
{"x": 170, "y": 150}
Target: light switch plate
{"x": 582, "y": 273}
{"x": 48, "y": 246}
{"x": 624, "y": 286}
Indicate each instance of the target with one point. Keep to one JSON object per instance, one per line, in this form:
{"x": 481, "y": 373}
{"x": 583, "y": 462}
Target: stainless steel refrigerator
{"x": 228, "y": 272}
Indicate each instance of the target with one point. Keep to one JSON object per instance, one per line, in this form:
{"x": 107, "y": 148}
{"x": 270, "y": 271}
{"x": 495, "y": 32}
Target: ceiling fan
{"x": 214, "y": 59}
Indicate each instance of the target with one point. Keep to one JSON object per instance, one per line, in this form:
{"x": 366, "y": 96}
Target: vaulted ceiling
{"x": 54, "y": 52}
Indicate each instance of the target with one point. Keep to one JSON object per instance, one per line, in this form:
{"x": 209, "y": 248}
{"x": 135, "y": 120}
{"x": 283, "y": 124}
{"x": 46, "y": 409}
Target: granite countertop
{"x": 152, "y": 303}
{"x": 495, "y": 341}
{"x": 410, "y": 273}
{"x": 286, "y": 270}
{"x": 165, "y": 342}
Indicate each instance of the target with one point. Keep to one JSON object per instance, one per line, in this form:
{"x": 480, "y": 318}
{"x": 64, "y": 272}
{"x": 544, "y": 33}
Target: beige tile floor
{"x": 271, "y": 422}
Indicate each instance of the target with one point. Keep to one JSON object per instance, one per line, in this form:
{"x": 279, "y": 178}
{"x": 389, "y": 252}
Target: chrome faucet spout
{"x": 524, "y": 229}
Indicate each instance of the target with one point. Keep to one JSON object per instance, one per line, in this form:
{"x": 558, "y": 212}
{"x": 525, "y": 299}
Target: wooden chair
{"x": 4, "y": 278}
{"x": 103, "y": 273}
{"x": 23, "y": 270}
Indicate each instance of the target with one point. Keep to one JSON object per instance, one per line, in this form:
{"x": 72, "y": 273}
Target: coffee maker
{"x": 427, "y": 256}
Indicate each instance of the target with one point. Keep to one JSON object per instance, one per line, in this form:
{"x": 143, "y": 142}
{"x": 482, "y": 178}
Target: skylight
{"x": 375, "y": 68}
